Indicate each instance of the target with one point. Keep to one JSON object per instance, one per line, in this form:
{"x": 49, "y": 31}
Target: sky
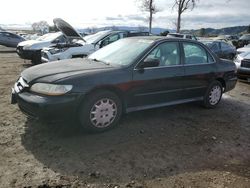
{"x": 98, "y": 13}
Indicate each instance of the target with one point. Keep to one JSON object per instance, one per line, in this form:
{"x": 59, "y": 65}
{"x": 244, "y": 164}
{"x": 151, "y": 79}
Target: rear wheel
{"x": 213, "y": 95}
{"x": 100, "y": 111}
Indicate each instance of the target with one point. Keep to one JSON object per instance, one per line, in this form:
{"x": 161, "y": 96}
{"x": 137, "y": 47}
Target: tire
{"x": 213, "y": 95}
{"x": 100, "y": 111}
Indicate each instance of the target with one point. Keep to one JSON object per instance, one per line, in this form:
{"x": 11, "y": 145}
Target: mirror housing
{"x": 149, "y": 62}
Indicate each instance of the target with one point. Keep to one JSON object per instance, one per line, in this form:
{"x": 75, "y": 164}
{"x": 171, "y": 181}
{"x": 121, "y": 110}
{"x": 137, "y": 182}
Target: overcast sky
{"x": 89, "y": 13}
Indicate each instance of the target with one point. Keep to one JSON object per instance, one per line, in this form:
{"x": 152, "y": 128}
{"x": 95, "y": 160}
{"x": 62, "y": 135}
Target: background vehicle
{"x": 10, "y": 39}
{"x": 221, "y": 49}
{"x": 83, "y": 46}
{"x": 184, "y": 36}
{"x": 131, "y": 74}
{"x": 31, "y": 49}
{"x": 244, "y": 49}
{"x": 242, "y": 62}
{"x": 244, "y": 40}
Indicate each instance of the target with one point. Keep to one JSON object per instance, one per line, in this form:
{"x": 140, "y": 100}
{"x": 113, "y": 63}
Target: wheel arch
{"x": 109, "y": 88}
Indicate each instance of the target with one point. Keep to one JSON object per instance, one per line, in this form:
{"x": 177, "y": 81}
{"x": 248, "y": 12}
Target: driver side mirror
{"x": 149, "y": 62}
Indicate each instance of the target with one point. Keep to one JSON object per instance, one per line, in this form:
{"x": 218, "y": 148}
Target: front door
{"x": 155, "y": 86}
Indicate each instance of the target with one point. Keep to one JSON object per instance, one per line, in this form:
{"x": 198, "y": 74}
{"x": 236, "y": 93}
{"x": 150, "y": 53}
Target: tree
{"x": 164, "y": 33}
{"x": 248, "y": 29}
{"x": 42, "y": 27}
{"x": 148, "y": 6}
{"x": 182, "y": 6}
{"x": 202, "y": 32}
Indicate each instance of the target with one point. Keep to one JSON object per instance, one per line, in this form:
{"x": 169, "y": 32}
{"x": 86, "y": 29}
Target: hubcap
{"x": 214, "y": 96}
{"x": 103, "y": 113}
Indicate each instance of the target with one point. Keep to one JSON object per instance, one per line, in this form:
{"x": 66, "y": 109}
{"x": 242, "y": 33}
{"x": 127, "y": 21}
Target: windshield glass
{"x": 95, "y": 37}
{"x": 49, "y": 36}
{"x": 123, "y": 52}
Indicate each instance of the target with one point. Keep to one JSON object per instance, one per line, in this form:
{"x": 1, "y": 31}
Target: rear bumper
{"x": 230, "y": 84}
{"x": 47, "y": 107}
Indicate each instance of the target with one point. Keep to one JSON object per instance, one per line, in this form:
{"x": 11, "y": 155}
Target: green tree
{"x": 248, "y": 29}
{"x": 202, "y": 32}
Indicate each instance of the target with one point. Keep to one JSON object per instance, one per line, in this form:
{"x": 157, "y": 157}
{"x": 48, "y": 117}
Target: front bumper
{"x": 34, "y": 55}
{"x": 46, "y": 107}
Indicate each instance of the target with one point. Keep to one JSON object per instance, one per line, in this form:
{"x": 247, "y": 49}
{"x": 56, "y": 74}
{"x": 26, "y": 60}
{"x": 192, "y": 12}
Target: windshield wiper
{"x": 97, "y": 60}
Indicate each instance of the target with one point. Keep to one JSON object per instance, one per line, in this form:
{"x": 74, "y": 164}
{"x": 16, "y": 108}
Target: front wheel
{"x": 100, "y": 111}
{"x": 213, "y": 95}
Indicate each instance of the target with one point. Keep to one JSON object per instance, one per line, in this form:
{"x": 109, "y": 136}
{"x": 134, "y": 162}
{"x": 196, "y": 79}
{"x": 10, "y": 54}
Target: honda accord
{"x": 131, "y": 74}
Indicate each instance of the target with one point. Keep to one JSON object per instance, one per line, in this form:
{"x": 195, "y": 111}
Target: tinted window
{"x": 195, "y": 54}
{"x": 167, "y": 53}
{"x": 215, "y": 47}
{"x": 225, "y": 46}
{"x": 110, "y": 39}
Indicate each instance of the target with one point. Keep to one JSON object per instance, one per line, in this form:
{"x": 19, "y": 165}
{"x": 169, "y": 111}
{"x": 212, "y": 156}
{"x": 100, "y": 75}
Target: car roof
{"x": 162, "y": 38}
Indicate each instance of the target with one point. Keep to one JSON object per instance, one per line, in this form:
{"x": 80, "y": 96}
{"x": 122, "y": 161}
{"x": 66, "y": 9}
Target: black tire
{"x": 208, "y": 102}
{"x": 103, "y": 113}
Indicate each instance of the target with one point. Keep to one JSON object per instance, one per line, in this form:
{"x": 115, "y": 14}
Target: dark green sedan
{"x": 131, "y": 74}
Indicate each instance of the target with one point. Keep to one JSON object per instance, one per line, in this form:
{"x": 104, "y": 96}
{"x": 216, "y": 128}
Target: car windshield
{"x": 95, "y": 37}
{"x": 122, "y": 53}
{"x": 49, "y": 36}
{"x": 245, "y": 37}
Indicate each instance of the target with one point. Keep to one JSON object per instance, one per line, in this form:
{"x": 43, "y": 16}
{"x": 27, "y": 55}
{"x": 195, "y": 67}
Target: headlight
{"x": 50, "y": 89}
{"x": 57, "y": 50}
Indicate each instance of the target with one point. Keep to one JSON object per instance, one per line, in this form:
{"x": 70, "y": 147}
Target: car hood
{"x": 28, "y": 42}
{"x": 245, "y": 55}
{"x": 67, "y": 29}
{"x": 62, "y": 69}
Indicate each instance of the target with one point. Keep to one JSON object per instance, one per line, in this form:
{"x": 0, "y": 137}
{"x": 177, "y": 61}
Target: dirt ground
{"x": 178, "y": 146}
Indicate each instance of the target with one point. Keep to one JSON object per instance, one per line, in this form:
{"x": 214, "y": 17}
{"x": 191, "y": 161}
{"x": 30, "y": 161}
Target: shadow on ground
{"x": 148, "y": 144}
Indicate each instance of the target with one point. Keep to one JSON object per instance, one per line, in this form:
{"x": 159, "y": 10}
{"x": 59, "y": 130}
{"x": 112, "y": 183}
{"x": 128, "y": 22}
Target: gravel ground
{"x": 177, "y": 146}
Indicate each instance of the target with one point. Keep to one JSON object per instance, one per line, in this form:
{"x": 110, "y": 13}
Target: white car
{"x": 81, "y": 47}
{"x": 242, "y": 62}
{"x": 31, "y": 49}
{"x": 243, "y": 49}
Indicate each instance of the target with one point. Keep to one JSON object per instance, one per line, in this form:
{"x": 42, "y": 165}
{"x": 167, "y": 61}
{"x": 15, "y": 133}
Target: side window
{"x": 110, "y": 39}
{"x": 215, "y": 47}
{"x": 195, "y": 54}
{"x": 224, "y": 46}
{"x": 167, "y": 53}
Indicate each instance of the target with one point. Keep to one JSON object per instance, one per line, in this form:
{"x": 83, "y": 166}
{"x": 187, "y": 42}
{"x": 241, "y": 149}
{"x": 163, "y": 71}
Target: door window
{"x": 167, "y": 53}
{"x": 195, "y": 54}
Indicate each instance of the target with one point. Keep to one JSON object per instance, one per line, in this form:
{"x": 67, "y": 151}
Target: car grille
{"x": 245, "y": 63}
{"x": 20, "y": 85}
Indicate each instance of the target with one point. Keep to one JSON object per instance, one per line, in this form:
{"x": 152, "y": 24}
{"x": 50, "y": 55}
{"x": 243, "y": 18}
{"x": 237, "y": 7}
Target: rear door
{"x": 161, "y": 84}
{"x": 199, "y": 67}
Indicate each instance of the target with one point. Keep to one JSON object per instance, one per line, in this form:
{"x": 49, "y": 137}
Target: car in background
{"x": 31, "y": 49}
{"x": 244, "y": 40}
{"x": 84, "y": 46}
{"x": 131, "y": 74}
{"x": 184, "y": 36}
{"x": 242, "y": 62}
{"x": 10, "y": 39}
{"x": 243, "y": 49}
{"x": 221, "y": 49}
